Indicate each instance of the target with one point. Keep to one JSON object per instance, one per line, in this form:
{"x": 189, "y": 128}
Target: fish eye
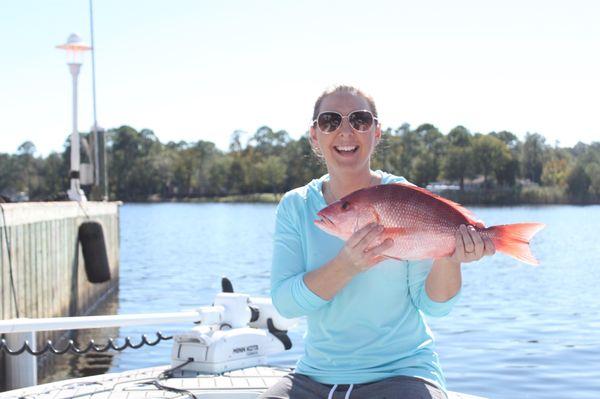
{"x": 345, "y": 205}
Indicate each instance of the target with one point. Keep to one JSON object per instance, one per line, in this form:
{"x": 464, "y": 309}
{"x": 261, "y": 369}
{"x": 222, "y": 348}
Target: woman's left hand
{"x": 471, "y": 245}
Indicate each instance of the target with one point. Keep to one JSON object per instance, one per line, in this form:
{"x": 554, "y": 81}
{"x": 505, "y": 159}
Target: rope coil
{"x": 74, "y": 347}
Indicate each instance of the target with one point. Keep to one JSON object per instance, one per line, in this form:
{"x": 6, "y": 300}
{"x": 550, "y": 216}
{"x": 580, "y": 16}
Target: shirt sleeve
{"x": 417, "y": 275}
{"x": 290, "y": 295}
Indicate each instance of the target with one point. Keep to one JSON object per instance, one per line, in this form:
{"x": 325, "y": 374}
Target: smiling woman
{"x": 345, "y": 147}
{"x": 366, "y": 336}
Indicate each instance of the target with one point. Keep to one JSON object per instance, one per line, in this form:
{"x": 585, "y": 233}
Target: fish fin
{"x": 513, "y": 240}
{"x": 471, "y": 218}
{"x": 392, "y": 257}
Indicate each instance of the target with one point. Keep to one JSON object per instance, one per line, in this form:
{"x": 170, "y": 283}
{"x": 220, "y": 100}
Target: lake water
{"x": 517, "y": 332}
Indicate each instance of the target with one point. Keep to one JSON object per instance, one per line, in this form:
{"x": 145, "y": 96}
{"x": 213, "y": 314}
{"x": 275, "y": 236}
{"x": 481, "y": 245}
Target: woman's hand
{"x": 471, "y": 245}
{"x": 359, "y": 254}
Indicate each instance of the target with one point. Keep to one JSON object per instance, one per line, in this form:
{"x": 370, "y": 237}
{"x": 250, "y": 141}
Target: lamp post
{"x": 75, "y": 49}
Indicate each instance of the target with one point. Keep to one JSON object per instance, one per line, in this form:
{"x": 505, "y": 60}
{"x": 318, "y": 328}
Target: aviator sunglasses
{"x": 330, "y": 121}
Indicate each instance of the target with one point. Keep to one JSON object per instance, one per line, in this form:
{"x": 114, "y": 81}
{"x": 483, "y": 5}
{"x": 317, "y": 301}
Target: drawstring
{"x": 333, "y": 388}
{"x": 348, "y": 392}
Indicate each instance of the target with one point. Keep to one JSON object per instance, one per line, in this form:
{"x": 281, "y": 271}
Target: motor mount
{"x": 238, "y": 331}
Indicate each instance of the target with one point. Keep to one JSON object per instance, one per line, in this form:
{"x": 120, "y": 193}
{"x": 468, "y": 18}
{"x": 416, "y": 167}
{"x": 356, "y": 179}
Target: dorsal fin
{"x": 471, "y": 218}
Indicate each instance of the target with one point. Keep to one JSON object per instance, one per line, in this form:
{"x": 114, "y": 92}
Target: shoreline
{"x": 470, "y": 198}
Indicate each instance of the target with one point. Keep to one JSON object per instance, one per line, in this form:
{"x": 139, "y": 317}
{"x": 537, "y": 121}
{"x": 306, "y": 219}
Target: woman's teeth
{"x": 346, "y": 148}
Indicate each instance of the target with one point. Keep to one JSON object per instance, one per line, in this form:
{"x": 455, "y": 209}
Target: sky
{"x": 198, "y": 70}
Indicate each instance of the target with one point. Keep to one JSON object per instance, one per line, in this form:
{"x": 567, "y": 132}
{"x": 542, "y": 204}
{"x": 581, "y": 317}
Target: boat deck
{"x": 240, "y": 384}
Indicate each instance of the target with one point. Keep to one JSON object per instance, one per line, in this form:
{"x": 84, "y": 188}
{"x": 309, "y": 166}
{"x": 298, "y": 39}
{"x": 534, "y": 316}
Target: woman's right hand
{"x": 359, "y": 254}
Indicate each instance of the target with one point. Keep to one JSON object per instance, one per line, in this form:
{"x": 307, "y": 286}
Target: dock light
{"x": 75, "y": 49}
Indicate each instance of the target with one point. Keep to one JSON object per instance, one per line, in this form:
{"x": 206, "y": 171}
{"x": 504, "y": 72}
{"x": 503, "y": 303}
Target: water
{"x": 517, "y": 332}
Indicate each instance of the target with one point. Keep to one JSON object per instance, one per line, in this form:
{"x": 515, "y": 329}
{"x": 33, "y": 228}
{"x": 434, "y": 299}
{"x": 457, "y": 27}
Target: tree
{"x": 424, "y": 169}
{"x": 409, "y": 148}
{"x": 26, "y": 162}
{"x": 218, "y": 175}
{"x": 578, "y": 183}
{"x": 506, "y": 170}
{"x": 10, "y": 174}
{"x": 235, "y": 142}
{"x": 489, "y": 154}
{"x": 532, "y": 157}
{"x": 27, "y": 148}
{"x": 593, "y": 172}
{"x": 458, "y": 165}
{"x": 53, "y": 176}
{"x": 272, "y": 170}
{"x": 236, "y": 177}
{"x": 268, "y": 142}
{"x": 556, "y": 168}
{"x": 458, "y": 161}
{"x": 133, "y": 156}
{"x": 507, "y": 138}
{"x": 459, "y": 136}
{"x": 301, "y": 164}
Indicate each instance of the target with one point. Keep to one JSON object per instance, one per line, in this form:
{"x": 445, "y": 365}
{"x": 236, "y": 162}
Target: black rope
{"x": 74, "y": 347}
{"x": 10, "y": 268}
{"x": 168, "y": 374}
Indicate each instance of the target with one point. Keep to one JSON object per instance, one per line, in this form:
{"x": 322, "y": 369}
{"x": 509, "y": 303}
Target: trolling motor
{"x": 237, "y": 331}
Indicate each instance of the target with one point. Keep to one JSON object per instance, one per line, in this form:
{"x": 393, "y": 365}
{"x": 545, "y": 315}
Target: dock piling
{"x": 21, "y": 370}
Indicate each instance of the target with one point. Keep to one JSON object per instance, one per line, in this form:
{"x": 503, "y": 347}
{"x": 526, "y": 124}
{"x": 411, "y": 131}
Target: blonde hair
{"x": 344, "y": 89}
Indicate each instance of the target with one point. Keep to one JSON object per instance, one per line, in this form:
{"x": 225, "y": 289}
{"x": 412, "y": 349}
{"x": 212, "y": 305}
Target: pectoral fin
{"x": 392, "y": 257}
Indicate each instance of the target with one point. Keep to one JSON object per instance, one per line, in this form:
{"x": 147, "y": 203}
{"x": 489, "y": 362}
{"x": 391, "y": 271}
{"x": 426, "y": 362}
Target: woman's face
{"x": 345, "y": 150}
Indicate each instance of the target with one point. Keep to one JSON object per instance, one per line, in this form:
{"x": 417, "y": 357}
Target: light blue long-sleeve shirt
{"x": 374, "y": 327}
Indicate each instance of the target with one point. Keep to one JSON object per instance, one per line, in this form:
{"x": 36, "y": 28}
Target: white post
{"x": 21, "y": 370}
{"x": 75, "y": 193}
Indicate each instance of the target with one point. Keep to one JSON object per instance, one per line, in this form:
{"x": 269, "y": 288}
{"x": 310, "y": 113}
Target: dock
{"x": 42, "y": 271}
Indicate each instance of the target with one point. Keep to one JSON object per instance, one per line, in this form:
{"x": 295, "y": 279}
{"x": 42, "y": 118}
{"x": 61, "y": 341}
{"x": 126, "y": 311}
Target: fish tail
{"x": 513, "y": 240}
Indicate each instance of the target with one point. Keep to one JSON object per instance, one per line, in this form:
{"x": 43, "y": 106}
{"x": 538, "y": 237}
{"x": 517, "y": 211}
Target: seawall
{"x": 40, "y": 248}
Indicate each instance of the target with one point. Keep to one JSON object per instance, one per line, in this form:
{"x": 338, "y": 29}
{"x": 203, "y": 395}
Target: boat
{"x": 247, "y": 383}
{"x": 225, "y": 355}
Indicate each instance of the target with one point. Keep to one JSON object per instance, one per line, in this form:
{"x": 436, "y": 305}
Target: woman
{"x": 366, "y": 336}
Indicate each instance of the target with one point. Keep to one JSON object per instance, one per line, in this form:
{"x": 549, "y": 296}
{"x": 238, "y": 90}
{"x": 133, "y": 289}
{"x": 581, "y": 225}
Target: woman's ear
{"x": 378, "y": 131}
{"x": 314, "y": 143}
{"x": 313, "y": 137}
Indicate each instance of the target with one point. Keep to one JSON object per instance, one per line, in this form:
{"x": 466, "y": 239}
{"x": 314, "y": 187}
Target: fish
{"x": 421, "y": 224}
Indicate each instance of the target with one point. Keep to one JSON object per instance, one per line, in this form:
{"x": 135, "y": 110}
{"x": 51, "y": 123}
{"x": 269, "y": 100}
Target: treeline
{"x": 494, "y": 167}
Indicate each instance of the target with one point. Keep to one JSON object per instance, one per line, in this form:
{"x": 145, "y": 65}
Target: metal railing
{"x": 21, "y": 370}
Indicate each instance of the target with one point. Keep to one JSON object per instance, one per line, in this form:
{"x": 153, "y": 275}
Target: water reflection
{"x": 59, "y": 367}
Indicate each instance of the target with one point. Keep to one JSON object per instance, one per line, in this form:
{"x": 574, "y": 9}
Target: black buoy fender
{"x": 91, "y": 237}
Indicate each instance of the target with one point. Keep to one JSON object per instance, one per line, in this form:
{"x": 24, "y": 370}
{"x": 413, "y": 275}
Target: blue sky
{"x": 193, "y": 70}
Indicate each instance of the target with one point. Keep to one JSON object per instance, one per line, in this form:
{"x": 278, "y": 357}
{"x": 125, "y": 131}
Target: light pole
{"x": 75, "y": 49}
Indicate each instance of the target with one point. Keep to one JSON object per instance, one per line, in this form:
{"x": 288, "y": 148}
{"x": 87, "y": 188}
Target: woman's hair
{"x": 344, "y": 89}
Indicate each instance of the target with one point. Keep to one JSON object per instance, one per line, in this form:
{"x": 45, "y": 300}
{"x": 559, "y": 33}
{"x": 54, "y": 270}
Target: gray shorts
{"x": 298, "y": 386}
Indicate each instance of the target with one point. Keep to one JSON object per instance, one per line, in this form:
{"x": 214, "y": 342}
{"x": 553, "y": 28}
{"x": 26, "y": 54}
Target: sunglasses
{"x": 330, "y": 121}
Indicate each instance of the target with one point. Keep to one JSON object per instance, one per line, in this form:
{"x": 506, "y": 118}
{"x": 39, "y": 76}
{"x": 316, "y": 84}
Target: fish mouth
{"x": 324, "y": 222}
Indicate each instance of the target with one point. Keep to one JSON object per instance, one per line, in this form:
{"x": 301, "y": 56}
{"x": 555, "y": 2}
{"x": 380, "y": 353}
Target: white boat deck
{"x": 240, "y": 384}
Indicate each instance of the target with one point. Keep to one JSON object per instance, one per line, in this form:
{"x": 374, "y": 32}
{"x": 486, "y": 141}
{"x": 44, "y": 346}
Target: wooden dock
{"x": 39, "y": 247}
{"x": 240, "y": 384}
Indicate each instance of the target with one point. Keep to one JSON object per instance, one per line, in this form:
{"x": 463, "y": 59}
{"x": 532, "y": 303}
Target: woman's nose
{"x": 345, "y": 127}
